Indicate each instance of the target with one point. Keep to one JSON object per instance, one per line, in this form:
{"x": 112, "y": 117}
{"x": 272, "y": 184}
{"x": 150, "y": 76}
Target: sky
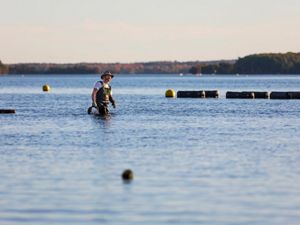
{"x": 73, "y": 31}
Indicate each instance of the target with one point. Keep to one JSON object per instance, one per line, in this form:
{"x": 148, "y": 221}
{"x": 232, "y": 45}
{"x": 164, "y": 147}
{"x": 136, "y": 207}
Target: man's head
{"x": 107, "y": 76}
{"x": 107, "y": 73}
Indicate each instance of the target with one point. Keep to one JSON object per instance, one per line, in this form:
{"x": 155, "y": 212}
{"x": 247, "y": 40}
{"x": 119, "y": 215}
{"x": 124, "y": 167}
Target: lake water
{"x": 195, "y": 161}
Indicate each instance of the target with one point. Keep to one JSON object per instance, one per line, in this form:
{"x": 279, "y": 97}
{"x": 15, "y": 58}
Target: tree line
{"x": 271, "y": 63}
{"x": 159, "y": 67}
{"x": 3, "y": 68}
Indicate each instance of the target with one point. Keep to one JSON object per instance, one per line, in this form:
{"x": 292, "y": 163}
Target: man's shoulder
{"x": 98, "y": 84}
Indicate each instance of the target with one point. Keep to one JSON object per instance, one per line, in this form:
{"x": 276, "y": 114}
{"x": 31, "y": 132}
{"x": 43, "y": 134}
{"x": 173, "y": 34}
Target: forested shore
{"x": 271, "y": 63}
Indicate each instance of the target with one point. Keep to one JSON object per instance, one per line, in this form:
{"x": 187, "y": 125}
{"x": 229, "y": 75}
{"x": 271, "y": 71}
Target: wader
{"x": 103, "y": 97}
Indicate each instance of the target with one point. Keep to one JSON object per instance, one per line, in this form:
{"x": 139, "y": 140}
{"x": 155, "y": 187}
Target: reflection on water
{"x": 196, "y": 161}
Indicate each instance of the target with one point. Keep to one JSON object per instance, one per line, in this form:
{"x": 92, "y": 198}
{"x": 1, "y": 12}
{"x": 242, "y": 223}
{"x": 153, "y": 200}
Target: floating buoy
{"x": 7, "y": 111}
{"x": 212, "y": 94}
{"x": 190, "y": 94}
{"x": 127, "y": 175}
{"x": 46, "y": 88}
{"x": 170, "y": 93}
{"x": 243, "y": 94}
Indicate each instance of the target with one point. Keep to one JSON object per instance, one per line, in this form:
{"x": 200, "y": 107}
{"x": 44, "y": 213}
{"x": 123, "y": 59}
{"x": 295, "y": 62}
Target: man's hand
{"x": 94, "y": 104}
{"x": 114, "y": 104}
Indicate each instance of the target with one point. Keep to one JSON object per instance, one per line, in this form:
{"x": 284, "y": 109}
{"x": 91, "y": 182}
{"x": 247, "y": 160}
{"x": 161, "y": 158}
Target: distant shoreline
{"x": 257, "y": 64}
{"x": 153, "y": 75}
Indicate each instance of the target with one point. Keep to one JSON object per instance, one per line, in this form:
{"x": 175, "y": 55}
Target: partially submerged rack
{"x": 7, "y": 111}
{"x": 198, "y": 94}
{"x": 235, "y": 94}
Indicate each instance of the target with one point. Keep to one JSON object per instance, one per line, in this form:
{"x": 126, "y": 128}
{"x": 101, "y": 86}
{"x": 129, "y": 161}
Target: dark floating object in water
{"x": 198, "y": 94}
{"x": 190, "y": 94}
{"x": 279, "y": 95}
{"x": 261, "y": 94}
{"x": 240, "y": 94}
{"x": 264, "y": 94}
{"x": 285, "y": 95}
{"x": 294, "y": 94}
{"x": 127, "y": 175}
{"x": 212, "y": 94}
{"x": 243, "y": 94}
{"x": 7, "y": 111}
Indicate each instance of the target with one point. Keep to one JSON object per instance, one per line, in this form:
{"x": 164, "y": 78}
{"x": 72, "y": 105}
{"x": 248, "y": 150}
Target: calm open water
{"x": 196, "y": 161}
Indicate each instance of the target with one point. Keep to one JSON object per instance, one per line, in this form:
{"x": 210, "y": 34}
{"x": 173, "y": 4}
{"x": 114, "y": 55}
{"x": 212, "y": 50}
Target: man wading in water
{"x": 102, "y": 94}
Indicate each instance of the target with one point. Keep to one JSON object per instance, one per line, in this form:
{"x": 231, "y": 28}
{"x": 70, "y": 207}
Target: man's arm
{"x": 113, "y": 102}
{"x": 94, "y": 93}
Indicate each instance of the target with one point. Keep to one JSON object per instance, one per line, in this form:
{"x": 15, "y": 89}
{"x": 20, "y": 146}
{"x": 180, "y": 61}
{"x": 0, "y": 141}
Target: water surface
{"x": 196, "y": 161}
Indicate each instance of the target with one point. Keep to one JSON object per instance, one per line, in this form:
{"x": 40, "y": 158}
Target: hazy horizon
{"x": 97, "y": 31}
{"x": 150, "y": 61}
